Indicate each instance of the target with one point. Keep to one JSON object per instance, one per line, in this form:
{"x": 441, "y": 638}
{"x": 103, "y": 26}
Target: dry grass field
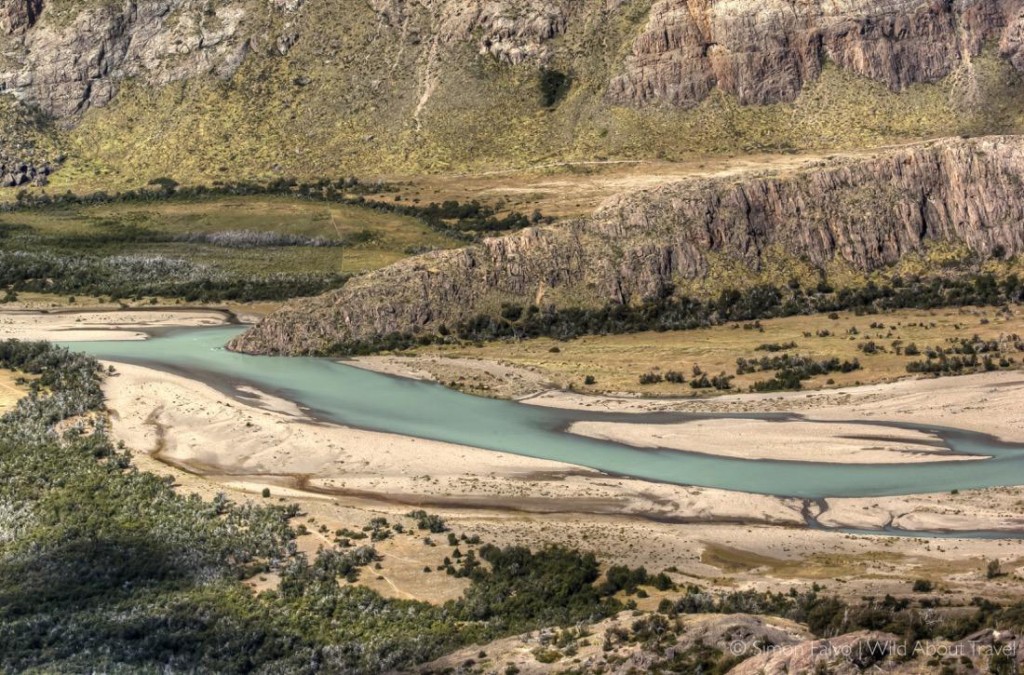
{"x": 10, "y": 390}
{"x": 616, "y": 362}
{"x": 575, "y": 189}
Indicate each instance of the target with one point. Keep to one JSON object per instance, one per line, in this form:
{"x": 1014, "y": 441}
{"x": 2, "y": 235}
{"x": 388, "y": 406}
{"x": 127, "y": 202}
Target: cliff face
{"x": 66, "y": 62}
{"x": 1012, "y": 44}
{"x": 70, "y": 63}
{"x": 512, "y": 31}
{"x": 867, "y": 213}
{"x": 18, "y": 15}
{"x": 765, "y": 52}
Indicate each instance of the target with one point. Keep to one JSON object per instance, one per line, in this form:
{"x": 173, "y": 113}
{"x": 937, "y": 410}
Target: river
{"x": 352, "y": 396}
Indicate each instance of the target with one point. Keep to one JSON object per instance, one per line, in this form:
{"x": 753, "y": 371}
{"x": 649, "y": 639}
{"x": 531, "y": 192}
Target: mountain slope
{"x": 208, "y": 89}
{"x": 855, "y": 214}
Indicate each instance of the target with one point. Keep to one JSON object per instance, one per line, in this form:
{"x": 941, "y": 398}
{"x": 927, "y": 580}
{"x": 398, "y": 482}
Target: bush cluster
{"x": 792, "y": 371}
{"x": 136, "y": 276}
{"x": 966, "y": 355}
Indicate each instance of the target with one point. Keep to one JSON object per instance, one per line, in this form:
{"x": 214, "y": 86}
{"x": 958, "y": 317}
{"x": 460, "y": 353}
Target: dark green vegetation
{"x": 466, "y": 221}
{"x": 700, "y": 379}
{"x": 673, "y": 313}
{"x": 827, "y": 615}
{"x": 429, "y": 522}
{"x": 232, "y": 241}
{"x": 105, "y": 567}
{"x": 137, "y": 276}
{"x": 791, "y": 370}
{"x": 967, "y": 355}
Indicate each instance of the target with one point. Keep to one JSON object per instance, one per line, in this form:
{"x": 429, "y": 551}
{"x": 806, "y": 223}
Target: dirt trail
{"x": 570, "y": 189}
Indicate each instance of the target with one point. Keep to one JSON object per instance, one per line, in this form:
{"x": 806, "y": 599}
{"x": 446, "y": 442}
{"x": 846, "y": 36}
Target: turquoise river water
{"x": 355, "y": 397}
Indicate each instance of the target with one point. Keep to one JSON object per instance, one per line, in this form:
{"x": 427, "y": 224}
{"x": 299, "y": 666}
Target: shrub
{"x": 651, "y": 378}
{"x": 432, "y": 523}
{"x": 776, "y": 347}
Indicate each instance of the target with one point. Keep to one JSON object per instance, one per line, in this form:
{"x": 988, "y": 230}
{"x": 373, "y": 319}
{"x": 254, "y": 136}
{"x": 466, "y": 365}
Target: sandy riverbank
{"x": 85, "y": 325}
{"x": 254, "y": 440}
{"x": 261, "y": 440}
{"x": 987, "y": 403}
{"x": 343, "y": 477}
{"x": 265, "y": 441}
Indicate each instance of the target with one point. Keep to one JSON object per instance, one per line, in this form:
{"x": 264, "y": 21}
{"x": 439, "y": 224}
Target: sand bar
{"x": 987, "y": 403}
{"x": 809, "y": 441}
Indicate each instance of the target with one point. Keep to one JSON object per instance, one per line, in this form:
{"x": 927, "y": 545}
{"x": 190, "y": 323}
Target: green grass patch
{"x": 372, "y": 238}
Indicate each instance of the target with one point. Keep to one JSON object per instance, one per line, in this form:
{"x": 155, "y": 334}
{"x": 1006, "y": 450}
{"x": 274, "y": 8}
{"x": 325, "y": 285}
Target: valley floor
{"x": 615, "y": 363}
{"x": 243, "y": 441}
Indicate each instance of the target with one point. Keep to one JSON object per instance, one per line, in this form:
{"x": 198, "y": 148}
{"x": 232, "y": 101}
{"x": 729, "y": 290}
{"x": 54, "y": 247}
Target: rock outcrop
{"x": 65, "y": 68}
{"x": 765, "y": 51}
{"x": 396, "y": 86}
{"x": 17, "y": 16}
{"x": 865, "y": 213}
{"x": 16, "y": 171}
{"x": 512, "y": 31}
{"x": 1012, "y": 44}
{"x": 64, "y": 64}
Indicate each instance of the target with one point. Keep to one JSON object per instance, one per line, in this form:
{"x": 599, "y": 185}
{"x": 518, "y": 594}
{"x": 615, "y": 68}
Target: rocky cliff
{"x": 765, "y": 52}
{"x": 69, "y": 63}
{"x": 864, "y": 214}
{"x": 157, "y": 87}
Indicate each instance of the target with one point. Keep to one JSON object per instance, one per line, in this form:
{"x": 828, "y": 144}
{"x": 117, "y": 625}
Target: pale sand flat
{"x": 808, "y": 441}
{"x": 87, "y": 326}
